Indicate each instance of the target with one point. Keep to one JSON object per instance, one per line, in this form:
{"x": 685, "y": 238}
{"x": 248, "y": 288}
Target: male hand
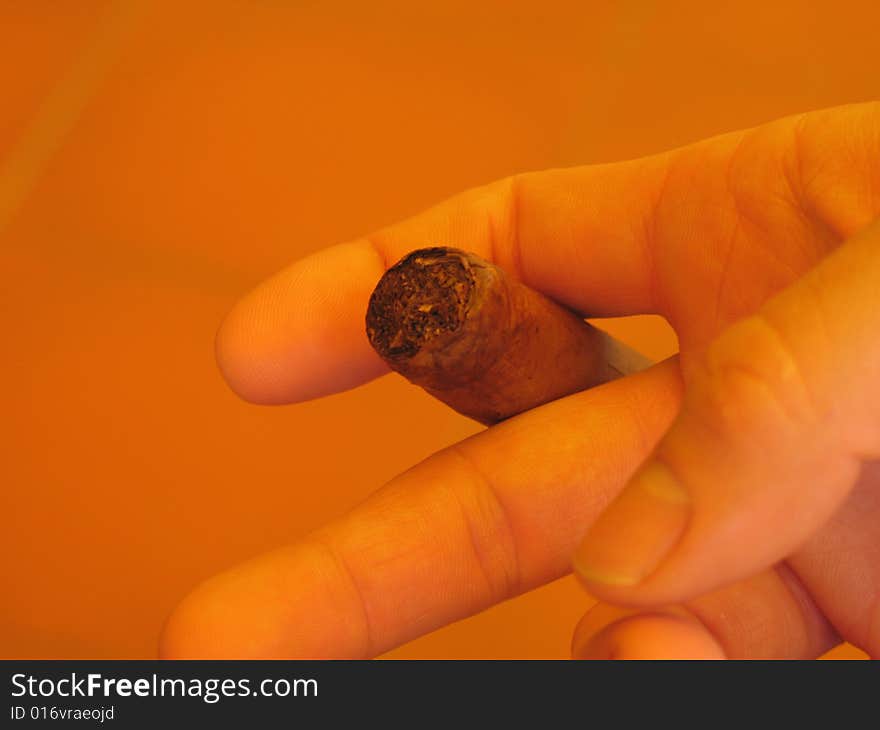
{"x": 752, "y": 525}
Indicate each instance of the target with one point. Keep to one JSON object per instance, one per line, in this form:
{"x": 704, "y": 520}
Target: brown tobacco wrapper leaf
{"x": 483, "y": 343}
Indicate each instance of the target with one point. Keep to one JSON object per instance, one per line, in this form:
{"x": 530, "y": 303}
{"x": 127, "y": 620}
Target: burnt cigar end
{"x": 421, "y": 298}
{"x": 482, "y": 342}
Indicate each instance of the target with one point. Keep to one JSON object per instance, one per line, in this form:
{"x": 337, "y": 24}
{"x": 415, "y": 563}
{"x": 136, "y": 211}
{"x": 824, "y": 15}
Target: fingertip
{"x": 180, "y": 637}
{"x": 636, "y": 533}
{"x": 243, "y": 367}
{"x": 651, "y": 636}
{"x": 300, "y": 334}
{"x": 286, "y": 604}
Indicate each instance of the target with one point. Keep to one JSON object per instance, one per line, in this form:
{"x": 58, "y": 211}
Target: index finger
{"x": 300, "y": 334}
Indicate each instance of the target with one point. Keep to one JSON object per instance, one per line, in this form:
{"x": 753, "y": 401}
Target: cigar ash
{"x": 423, "y": 297}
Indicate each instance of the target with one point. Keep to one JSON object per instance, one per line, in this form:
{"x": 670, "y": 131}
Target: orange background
{"x": 157, "y": 159}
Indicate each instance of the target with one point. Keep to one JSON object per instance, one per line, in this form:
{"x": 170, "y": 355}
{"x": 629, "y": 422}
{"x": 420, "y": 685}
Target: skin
{"x": 752, "y": 525}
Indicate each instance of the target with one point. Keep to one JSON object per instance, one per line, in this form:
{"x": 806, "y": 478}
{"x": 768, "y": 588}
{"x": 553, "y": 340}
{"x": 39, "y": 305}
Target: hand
{"x": 761, "y": 439}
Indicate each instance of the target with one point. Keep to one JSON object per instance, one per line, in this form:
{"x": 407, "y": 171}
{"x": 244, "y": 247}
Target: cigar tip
{"x": 419, "y": 300}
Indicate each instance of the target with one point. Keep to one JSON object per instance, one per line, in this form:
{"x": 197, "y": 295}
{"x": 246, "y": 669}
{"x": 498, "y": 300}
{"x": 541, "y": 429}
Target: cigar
{"x": 483, "y": 343}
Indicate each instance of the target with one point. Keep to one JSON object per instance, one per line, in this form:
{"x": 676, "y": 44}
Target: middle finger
{"x": 493, "y": 516}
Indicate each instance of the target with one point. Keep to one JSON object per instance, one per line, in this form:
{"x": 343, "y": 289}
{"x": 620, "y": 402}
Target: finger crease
{"x": 507, "y": 567}
{"x": 378, "y": 249}
{"x": 345, "y": 570}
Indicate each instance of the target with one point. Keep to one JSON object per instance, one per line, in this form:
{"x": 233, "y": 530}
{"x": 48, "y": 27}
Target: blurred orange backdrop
{"x": 157, "y": 159}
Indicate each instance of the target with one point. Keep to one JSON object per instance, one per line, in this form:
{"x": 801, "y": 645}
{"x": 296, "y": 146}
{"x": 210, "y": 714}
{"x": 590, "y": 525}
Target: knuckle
{"x": 503, "y": 223}
{"x": 753, "y": 374}
{"x": 489, "y": 528}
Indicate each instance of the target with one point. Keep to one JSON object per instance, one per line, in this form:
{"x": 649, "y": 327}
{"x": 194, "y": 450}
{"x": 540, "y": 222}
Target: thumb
{"x": 779, "y": 417}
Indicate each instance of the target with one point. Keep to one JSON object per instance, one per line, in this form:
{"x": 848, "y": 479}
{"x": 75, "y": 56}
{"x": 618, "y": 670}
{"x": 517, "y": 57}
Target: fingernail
{"x": 637, "y": 531}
